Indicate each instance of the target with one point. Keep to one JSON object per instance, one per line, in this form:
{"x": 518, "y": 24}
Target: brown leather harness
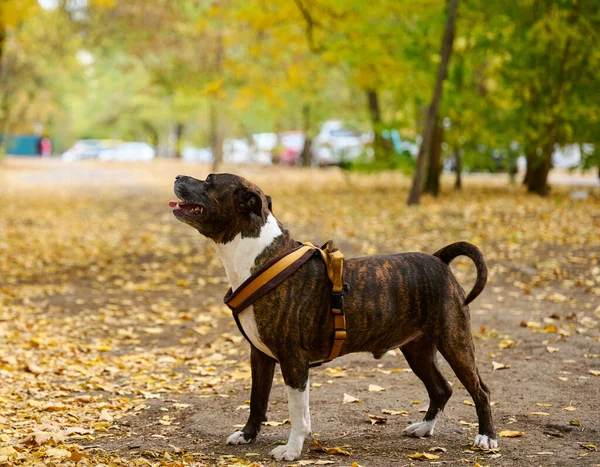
{"x": 278, "y": 270}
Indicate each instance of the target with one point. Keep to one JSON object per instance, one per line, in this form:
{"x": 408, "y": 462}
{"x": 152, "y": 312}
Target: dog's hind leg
{"x": 263, "y": 368}
{"x": 458, "y": 350}
{"x": 421, "y": 355}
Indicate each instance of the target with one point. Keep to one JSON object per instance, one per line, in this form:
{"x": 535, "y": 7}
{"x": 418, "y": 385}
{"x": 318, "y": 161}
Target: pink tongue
{"x": 172, "y": 204}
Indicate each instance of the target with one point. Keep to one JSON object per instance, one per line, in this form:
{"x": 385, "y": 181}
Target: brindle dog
{"x": 410, "y": 301}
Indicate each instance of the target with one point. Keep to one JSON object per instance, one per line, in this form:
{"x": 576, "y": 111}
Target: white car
{"x": 336, "y": 144}
{"x": 193, "y": 154}
{"x": 88, "y": 149}
{"x": 239, "y": 151}
{"x": 264, "y": 144}
{"x": 132, "y": 151}
{"x": 292, "y": 143}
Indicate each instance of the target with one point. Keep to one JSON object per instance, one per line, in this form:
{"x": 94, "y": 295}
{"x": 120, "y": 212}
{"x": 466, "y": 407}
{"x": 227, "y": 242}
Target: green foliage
{"x": 522, "y": 74}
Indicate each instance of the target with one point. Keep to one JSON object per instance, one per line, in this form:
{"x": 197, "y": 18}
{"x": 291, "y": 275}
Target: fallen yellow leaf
{"x": 37, "y": 438}
{"x": 8, "y": 453}
{"x": 105, "y": 416}
{"x": 510, "y": 434}
{"x": 506, "y": 344}
{"x": 375, "y": 418}
{"x": 395, "y": 412}
{"x": 272, "y": 423}
{"x": 348, "y": 399}
{"x": 375, "y": 388}
{"x": 335, "y": 450}
{"x": 469, "y": 424}
{"x": 423, "y": 456}
{"x": 499, "y": 366}
{"x": 58, "y": 453}
{"x": 437, "y": 449}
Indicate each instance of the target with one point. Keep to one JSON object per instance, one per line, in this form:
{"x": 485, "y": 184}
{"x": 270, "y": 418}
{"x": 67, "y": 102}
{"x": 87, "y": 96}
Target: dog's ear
{"x": 269, "y": 203}
{"x": 247, "y": 201}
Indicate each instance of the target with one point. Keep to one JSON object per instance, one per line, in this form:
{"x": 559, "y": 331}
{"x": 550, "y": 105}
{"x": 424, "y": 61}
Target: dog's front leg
{"x": 295, "y": 375}
{"x": 263, "y": 368}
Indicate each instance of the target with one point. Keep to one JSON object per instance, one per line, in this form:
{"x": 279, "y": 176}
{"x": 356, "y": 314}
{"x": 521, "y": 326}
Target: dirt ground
{"x": 115, "y": 343}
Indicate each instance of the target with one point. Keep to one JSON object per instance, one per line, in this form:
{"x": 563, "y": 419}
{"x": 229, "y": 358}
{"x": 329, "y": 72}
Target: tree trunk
{"x": 434, "y": 167}
{"x": 513, "y": 167}
{"x": 537, "y": 180}
{"x": 152, "y": 134}
{"x": 3, "y": 112}
{"x": 179, "y": 127}
{"x": 381, "y": 146}
{"x": 306, "y": 155}
{"x": 216, "y": 137}
{"x": 2, "y": 40}
{"x": 432, "y": 111}
{"x": 458, "y": 168}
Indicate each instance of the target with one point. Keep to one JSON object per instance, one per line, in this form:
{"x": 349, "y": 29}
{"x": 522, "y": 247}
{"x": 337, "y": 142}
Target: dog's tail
{"x": 449, "y": 252}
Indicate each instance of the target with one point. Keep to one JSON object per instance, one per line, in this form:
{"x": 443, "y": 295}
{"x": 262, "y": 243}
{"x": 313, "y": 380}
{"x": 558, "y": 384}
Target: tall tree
{"x": 554, "y": 73}
{"x": 432, "y": 111}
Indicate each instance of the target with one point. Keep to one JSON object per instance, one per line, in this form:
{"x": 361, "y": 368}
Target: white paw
{"x": 287, "y": 452}
{"x": 237, "y": 437}
{"x": 482, "y": 441}
{"x": 420, "y": 429}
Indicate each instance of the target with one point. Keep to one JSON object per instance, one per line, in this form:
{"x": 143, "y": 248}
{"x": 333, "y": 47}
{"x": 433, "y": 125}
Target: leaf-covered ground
{"x": 115, "y": 348}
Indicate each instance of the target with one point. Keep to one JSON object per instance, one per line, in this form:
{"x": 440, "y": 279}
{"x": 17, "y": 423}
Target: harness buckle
{"x": 337, "y": 302}
{"x": 339, "y": 334}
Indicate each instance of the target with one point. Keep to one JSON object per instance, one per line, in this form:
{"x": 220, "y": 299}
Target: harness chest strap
{"x": 282, "y": 267}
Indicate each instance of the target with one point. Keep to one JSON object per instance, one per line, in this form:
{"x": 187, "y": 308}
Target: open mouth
{"x": 189, "y": 209}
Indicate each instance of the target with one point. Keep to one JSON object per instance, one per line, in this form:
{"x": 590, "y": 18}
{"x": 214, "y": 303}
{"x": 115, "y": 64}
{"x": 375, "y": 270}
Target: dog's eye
{"x": 209, "y": 179}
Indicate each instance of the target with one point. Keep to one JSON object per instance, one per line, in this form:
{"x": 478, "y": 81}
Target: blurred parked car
{"x": 291, "y": 143}
{"x": 193, "y": 154}
{"x": 401, "y": 146}
{"x": 265, "y": 141}
{"x": 239, "y": 151}
{"x": 336, "y": 144}
{"x": 264, "y": 146}
{"x": 88, "y": 149}
{"x": 132, "y": 151}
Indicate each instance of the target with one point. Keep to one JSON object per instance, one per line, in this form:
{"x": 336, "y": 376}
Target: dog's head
{"x": 221, "y": 206}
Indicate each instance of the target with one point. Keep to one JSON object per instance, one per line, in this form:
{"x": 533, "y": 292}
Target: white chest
{"x": 248, "y": 323}
{"x": 238, "y": 258}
